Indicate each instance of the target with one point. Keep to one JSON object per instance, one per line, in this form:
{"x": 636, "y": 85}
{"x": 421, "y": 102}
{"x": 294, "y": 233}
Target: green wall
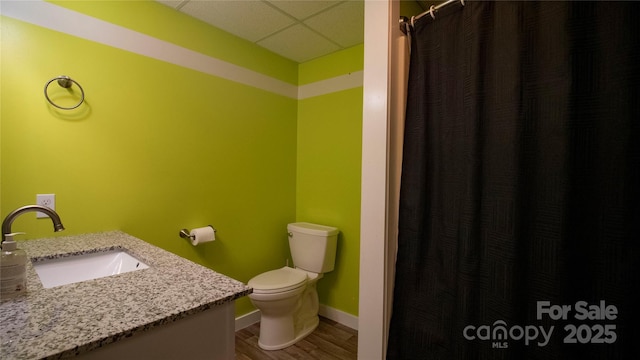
{"x": 328, "y": 170}
{"x": 158, "y": 147}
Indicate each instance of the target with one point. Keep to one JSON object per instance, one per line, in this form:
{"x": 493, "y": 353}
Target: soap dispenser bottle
{"x": 13, "y": 268}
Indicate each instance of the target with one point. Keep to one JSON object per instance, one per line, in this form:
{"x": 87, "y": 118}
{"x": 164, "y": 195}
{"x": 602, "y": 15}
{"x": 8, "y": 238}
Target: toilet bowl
{"x": 287, "y": 297}
{"x": 289, "y": 310}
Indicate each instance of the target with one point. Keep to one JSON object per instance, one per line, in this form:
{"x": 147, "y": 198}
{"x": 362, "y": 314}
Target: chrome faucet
{"x": 6, "y": 224}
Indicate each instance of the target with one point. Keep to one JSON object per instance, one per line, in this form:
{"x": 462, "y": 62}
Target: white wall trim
{"x": 338, "y": 83}
{"x": 73, "y": 23}
{"x": 336, "y": 315}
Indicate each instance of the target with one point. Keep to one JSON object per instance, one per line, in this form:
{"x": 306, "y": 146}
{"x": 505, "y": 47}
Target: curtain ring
{"x": 413, "y": 21}
{"x": 431, "y": 9}
{"x": 65, "y": 82}
{"x": 462, "y": 2}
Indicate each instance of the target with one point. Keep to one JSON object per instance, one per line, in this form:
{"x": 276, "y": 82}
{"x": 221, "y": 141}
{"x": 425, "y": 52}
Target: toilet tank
{"x": 313, "y": 247}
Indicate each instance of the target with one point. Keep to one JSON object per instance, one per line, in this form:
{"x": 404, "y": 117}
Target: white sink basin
{"x": 77, "y": 268}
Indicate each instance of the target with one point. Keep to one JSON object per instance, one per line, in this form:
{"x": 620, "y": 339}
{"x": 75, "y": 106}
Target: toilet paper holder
{"x": 186, "y": 234}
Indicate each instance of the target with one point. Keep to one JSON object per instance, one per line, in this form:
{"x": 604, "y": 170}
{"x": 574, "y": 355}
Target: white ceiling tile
{"x": 172, "y": 3}
{"x": 343, "y": 24}
{"x": 323, "y": 26}
{"x": 251, "y": 20}
{"x": 299, "y": 44}
{"x": 302, "y": 9}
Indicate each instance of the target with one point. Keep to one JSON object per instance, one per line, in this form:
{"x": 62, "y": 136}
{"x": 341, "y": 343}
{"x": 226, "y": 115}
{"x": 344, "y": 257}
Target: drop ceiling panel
{"x": 344, "y": 24}
{"x": 299, "y": 44}
{"x": 302, "y": 9}
{"x": 251, "y": 20}
{"x": 171, "y": 3}
{"x": 300, "y": 30}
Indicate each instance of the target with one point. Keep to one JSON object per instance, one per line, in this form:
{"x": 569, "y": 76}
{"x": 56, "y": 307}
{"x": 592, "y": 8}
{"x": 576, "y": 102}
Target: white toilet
{"x": 287, "y": 298}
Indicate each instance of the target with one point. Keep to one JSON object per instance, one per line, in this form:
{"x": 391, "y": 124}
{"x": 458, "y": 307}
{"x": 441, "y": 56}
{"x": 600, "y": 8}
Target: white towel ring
{"x": 66, "y": 83}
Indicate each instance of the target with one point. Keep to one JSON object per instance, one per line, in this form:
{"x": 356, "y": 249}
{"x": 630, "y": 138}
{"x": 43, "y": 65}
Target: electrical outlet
{"x": 48, "y": 200}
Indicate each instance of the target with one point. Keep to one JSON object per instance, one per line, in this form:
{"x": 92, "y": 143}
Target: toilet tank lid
{"x": 313, "y": 229}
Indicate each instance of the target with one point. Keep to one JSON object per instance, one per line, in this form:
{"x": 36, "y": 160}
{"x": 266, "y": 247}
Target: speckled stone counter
{"x": 71, "y": 319}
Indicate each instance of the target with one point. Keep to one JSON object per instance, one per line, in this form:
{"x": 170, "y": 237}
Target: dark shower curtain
{"x": 519, "y": 230}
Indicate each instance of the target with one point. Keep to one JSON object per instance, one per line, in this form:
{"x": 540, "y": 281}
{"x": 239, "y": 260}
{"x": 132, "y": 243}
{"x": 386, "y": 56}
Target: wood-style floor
{"x": 330, "y": 341}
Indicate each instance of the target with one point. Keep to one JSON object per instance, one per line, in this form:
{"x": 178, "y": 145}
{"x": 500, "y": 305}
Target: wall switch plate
{"x": 48, "y": 200}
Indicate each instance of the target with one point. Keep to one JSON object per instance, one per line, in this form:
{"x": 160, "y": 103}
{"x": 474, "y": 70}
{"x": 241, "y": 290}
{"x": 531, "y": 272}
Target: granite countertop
{"x": 71, "y": 319}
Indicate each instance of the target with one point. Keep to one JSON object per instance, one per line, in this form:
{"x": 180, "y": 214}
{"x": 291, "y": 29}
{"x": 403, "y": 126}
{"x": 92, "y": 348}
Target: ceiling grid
{"x": 300, "y": 30}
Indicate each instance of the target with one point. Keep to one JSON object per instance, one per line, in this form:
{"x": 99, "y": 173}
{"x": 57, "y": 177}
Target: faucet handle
{"x": 9, "y": 237}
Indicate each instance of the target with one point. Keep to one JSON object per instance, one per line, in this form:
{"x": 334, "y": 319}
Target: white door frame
{"x": 380, "y": 160}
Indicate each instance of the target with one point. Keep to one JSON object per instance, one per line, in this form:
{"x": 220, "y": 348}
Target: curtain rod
{"x": 404, "y": 21}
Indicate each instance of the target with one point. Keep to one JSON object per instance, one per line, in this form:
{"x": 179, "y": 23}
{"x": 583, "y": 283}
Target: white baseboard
{"x": 247, "y": 320}
{"x": 330, "y": 313}
{"x": 339, "y": 316}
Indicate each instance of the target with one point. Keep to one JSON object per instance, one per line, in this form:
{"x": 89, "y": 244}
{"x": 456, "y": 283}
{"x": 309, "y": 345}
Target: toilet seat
{"x": 277, "y": 281}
